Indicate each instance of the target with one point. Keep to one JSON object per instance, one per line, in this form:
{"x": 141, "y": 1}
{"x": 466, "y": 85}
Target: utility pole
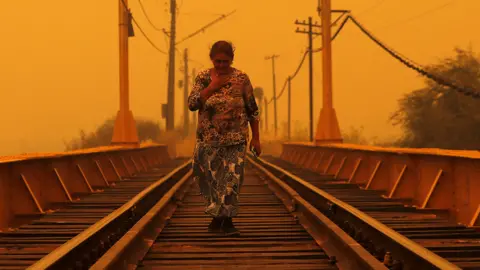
{"x": 171, "y": 69}
{"x": 185, "y": 95}
{"x": 289, "y": 108}
{"x": 274, "y": 91}
{"x": 194, "y": 74}
{"x": 258, "y": 92}
{"x": 328, "y": 129}
{"x": 171, "y": 60}
{"x": 266, "y": 114}
{"x": 125, "y": 130}
{"x": 310, "y": 33}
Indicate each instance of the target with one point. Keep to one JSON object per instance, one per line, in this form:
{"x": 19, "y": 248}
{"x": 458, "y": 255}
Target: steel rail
{"x": 133, "y": 246}
{"x": 120, "y": 218}
{"x": 348, "y": 253}
{"x": 344, "y": 252}
{"x": 412, "y": 255}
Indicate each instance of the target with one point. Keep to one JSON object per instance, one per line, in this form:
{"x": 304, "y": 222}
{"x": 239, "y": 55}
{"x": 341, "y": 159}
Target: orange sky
{"x": 59, "y": 67}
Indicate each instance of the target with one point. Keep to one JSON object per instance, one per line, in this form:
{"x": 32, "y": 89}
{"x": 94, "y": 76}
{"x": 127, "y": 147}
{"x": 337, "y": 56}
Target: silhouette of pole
{"x": 310, "y": 72}
{"x": 289, "y": 108}
{"x": 310, "y": 34}
{"x": 266, "y": 114}
{"x": 274, "y": 91}
{"x": 186, "y": 114}
{"x": 124, "y": 130}
{"x": 171, "y": 69}
{"x": 328, "y": 129}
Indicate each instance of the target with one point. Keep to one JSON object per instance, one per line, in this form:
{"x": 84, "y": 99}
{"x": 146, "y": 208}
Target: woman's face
{"x": 221, "y": 63}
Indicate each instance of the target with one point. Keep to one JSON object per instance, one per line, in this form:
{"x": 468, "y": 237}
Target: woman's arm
{"x": 255, "y": 130}
{"x": 252, "y": 109}
{"x": 200, "y": 93}
{"x": 206, "y": 93}
{"x": 195, "y": 99}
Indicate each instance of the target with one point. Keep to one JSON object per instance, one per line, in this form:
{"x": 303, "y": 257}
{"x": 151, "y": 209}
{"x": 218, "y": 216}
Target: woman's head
{"x": 222, "y": 54}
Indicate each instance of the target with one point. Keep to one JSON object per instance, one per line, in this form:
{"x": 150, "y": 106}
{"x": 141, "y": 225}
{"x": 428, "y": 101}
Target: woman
{"x": 223, "y": 95}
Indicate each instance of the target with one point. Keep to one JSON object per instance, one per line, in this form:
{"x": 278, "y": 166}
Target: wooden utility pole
{"x": 274, "y": 92}
{"x": 185, "y": 95}
{"x": 258, "y": 92}
{"x": 289, "y": 108}
{"x": 125, "y": 130}
{"x": 266, "y": 114}
{"x": 310, "y": 33}
{"x": 171, "y": 60}
{"x": 171, "y": 69}
{"x": 328, "y": 130}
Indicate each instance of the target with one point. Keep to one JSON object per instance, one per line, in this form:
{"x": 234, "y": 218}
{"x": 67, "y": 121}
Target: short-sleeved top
{"x": 223, "y": 118}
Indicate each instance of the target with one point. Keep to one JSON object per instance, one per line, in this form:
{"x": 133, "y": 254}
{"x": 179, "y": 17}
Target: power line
{"x": 223, "y": 16}
{"x": 178, "y": 9}
{"x": 291, "y": 77}
{"x": 421, "y": 14}
{"x": 201, "y": 14}
{"x": 147, "y": 38}
{"x": 300, "y": 65}
{"x": 273, "y": 57}
{"x": 411, "y": 64}
{"x": 334, "y": 23}
{"x": 339, "y": 29}
{"x": 150, "y": 21}
{"x": 336, "y": 32}
{"x": 338, "y": 19}
{"x": 141, "y": 30}
{"x": 376, "y": 5}
{"x": 197, "y": 62}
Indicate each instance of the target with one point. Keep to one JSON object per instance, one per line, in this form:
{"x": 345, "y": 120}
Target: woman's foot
{"x": 215, "y": 225}
{"x": 228, "y": 227}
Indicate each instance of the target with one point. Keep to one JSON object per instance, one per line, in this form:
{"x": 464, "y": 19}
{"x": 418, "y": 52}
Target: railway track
{"x": 270, "y": 235}
{"x": 284, "y": 222}
{"x": 279, "y": 229}
{"x": 430, "y": 229}
{"x": 27, "y": 244}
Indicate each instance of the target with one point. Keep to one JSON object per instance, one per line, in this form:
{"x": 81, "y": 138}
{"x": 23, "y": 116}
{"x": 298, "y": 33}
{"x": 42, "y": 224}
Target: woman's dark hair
{"x": 222, "y": 47}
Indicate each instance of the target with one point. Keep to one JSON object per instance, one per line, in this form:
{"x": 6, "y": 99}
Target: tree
{"x": 355, "y": 136}
{"x": 102, "y": 136}
{"x": 300, "y": 131}
{"x": 440, "y": 117}
{"x": 259, "y": 94}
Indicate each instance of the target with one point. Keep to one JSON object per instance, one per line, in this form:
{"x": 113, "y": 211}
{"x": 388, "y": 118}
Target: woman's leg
{"x": 219, "y": 173}
{"x": 229, "y": 176}
{"x": 204, "y": 179}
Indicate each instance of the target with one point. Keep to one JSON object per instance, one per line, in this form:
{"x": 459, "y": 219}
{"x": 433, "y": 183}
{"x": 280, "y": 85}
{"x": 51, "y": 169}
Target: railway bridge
{"x": 320, "y": 204}
{"x": 332, "y": 206}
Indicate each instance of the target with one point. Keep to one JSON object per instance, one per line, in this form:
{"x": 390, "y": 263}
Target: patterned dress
{"x": 222, "y": 136}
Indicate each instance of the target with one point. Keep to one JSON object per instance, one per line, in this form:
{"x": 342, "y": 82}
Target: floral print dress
{"x": 222, "y": 136}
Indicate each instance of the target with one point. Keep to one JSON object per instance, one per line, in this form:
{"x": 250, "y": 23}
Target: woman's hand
{"x": 218, "y": 81}
{"x": 215, "y": 84}
{"x": 255, "y": 145}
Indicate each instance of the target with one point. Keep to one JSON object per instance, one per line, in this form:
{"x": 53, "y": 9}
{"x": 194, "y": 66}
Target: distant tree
{"x": 258, "y": 93}
{"x": 102, "y": 136}
{"x": 354, "y": 136}
{"x": 440, "y": 117}
{"x": 299, "y": 131}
